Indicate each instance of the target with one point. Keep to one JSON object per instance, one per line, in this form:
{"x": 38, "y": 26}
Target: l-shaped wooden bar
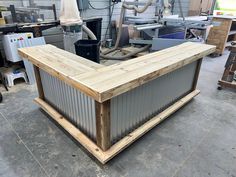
{"x": 107, "y": 108}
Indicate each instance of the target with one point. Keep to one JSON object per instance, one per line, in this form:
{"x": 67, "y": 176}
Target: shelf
{"x": 232, "y": 32}
{"x": 228, "y": 44}
{"x": 227, "y": 84}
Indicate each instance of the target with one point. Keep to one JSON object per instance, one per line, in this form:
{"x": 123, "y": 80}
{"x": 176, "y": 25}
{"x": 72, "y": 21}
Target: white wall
{"x": 185, "y": 6}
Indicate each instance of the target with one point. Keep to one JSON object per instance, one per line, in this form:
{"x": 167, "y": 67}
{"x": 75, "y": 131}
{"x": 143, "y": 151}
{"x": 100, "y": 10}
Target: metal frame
{"x": 188, "y": 24}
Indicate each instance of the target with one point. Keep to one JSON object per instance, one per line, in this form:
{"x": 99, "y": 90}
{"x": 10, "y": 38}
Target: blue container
{"x": 172, "y": 32}
{"x": 177, "y": 35}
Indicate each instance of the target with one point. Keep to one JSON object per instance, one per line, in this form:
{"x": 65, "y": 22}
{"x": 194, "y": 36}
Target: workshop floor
{"x": 197, "y": 141}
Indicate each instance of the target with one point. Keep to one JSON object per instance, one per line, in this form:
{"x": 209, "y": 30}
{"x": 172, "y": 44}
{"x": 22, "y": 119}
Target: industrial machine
{"x": 10, "y": 44}
{"x": 173, "y": 30}
{"x": 161, "y": 31}
{"x": 167, "y": 29}
{"x": 73, "y": 25}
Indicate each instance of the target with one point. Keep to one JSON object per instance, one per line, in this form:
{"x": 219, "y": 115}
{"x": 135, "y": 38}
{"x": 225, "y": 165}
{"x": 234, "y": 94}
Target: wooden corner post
{"x": 103, "y": 125}
{"x": 39, "y": 82}
{"x": 197, "y": 72}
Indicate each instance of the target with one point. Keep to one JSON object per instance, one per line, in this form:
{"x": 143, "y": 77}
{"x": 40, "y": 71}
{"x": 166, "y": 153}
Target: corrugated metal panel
{"x": 78, "y": 108}
{"x": 131, "y": 109}
{"x": 28, "y": 65}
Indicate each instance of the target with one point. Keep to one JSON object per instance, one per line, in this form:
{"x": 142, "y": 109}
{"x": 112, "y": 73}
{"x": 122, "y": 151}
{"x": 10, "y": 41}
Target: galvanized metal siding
{"x": 77, "y": 107}
{"x": 28, "y": 65}
{"x": 131, "y": 109}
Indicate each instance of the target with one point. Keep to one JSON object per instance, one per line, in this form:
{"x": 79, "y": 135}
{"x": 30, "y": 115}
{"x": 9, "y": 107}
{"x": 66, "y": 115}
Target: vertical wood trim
{"x": 230, "y": 23}
{"x": 38, "y": 82}
{"x": 103, "y": 125}
{"x": 196, "y": 76}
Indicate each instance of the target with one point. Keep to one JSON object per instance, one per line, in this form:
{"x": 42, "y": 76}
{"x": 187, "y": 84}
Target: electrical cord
{"x": 102, "y": 7}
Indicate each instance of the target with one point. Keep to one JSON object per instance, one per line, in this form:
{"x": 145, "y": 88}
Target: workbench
{"x": 35, "y": 28}
{"x": 107, "y": 108}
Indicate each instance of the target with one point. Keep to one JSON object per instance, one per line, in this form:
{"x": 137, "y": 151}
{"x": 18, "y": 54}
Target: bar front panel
{"x": 74, "y": 105}
{"x": 133, "y": 108}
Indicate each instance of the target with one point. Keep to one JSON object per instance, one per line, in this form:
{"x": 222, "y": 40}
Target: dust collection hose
{"x": 138, "y": 10}
{"x": 89, "y": 32}
{"x": 93, "y": 37}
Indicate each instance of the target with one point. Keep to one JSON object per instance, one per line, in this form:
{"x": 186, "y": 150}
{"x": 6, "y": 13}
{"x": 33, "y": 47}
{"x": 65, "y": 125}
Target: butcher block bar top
{"x": 105, "y": 82}
{"x": 107, "y": 108}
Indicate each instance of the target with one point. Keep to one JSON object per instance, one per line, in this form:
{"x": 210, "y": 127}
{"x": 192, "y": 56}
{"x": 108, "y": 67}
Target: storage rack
{"x": 228, "y": 80}
{"x": 221, "y": 36}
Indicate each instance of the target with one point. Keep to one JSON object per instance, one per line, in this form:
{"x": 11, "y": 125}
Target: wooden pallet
{"x": 230, "y": 68}
{"x": 225, "y": 84}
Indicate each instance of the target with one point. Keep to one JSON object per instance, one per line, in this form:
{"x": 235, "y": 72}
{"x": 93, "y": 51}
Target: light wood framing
{"x": 38, "y": 82}
{"x": 199, "y": 64}
{"x": 103, "y": 124}
{"x": 227, "y": 84}
{"x": 221, "y": 36}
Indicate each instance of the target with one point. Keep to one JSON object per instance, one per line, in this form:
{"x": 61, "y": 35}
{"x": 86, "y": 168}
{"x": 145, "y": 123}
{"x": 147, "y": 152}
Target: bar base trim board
{"x": 105, "y": 156}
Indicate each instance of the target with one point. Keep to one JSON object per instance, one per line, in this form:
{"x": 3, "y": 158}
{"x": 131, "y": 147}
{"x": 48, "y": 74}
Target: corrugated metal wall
{"x": 78, "y": 108}
{"x": 131, "y": 109}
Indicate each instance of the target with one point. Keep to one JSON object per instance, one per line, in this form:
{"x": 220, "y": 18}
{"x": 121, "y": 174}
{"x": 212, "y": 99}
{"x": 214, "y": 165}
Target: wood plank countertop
{"x": 105, "y": 82}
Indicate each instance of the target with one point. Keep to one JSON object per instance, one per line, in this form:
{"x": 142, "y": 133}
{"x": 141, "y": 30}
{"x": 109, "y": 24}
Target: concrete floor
{"x": 197, "y": 141}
